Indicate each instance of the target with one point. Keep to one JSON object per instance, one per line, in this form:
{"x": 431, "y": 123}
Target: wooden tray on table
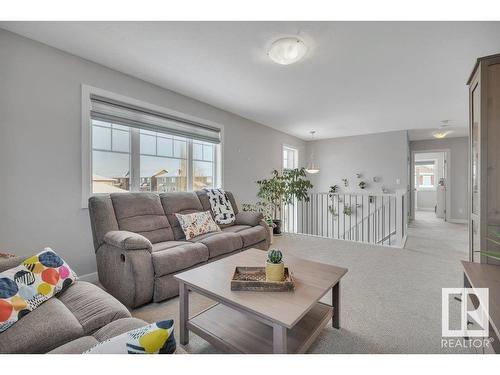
{"x": 254, "y": 279}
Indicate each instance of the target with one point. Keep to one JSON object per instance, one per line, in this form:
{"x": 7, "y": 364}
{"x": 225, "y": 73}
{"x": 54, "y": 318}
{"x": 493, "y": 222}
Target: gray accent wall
{"x": 382, "y": 155}
{"x": 458, "y": 168}
{"x": 40, "y": 146}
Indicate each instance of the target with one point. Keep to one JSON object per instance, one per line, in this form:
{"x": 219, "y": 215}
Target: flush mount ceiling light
{"x": 312, "y": 167}
{"x": 442, "y": 132}
{"x": 287, "y": 51}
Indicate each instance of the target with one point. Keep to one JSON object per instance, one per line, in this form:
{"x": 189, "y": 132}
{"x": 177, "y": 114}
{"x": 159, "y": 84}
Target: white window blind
{"x": 108, "y": 110}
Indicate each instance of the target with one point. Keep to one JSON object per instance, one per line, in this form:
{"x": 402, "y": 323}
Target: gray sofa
{"x": 72, "y": 322}
{"x": 140, "y": 246}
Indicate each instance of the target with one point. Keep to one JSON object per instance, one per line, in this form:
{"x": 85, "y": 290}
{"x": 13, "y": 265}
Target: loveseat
{"x": 70, "y": 323}
{"x": 140, "y": 245}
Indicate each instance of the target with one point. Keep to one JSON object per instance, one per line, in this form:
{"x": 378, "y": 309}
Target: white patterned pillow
{"x": 27, "y": 286}
{"x": 197, "y": 223}
{"x": 156, "y": 338}
{"x": 221, "y": 206}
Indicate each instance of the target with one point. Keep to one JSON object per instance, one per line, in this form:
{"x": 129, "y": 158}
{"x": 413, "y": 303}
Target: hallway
{"x": 438, "y": 238}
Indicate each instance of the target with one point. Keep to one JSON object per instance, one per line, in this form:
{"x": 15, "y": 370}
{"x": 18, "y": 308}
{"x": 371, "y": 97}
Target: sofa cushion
{"x": 142, "y": 213}
{"x": 179, "y": 203}
{"x": 77, "y": 346}
{"x": 236, "y": 228}
{"x": 155, "y": 338}
{"x": 118, "y": 327}
{"x": 220, "y": 243}
{"x": 92, "y": 306}
{"x": 51, "y": 325}
{"x": 253, "y": 235}
{"x": 178, "y": 258}
{"x": 197, "y": 223}
{"x": 167, "y": 245}
{"x": 205, "y": 202}
{"x": 25, "y": 287}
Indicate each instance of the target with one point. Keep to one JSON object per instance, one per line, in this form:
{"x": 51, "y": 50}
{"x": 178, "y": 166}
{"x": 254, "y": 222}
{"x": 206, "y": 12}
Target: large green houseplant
{"x": 284, "y": 188}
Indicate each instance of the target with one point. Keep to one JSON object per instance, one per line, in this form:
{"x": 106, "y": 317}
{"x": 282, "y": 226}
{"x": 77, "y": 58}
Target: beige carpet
{"x": 391, "y": 298}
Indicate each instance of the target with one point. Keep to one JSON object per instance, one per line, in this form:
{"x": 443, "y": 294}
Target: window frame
{"x": 285, "y": 147}
{"x": 419, "y": 187}
{"x": 87, "y": 146}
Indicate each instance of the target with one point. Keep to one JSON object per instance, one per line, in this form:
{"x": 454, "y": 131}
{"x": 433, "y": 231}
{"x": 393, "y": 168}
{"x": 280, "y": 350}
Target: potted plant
{"x": 282, "y": 189}
{"x": 334, "y": 189}
{"x": 362, "y": 184}
{"x": 275, "y": 268}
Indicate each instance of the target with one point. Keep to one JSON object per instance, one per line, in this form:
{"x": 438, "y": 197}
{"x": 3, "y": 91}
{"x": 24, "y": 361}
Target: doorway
{"x": 430, "y": 184}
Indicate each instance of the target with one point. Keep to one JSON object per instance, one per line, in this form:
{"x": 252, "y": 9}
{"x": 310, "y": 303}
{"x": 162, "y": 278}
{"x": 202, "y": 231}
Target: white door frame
{"x": 447, "y": 156}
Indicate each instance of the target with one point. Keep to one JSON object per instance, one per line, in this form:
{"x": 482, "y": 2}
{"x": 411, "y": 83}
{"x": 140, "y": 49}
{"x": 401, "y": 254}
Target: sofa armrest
{"x": 248, "y": 218}
{"x": 127, "y": 240}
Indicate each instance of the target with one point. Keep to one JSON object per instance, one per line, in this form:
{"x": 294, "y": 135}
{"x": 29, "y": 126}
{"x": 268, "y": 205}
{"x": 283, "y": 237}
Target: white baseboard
{"x": 89, "y": 277}
{"x": 457, "y": 221}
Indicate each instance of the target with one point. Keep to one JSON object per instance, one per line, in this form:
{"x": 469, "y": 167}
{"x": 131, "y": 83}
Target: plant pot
{"x": 277, "y": 227}
{"x": 275, "y": 272}
{"x": 271, "y": 230}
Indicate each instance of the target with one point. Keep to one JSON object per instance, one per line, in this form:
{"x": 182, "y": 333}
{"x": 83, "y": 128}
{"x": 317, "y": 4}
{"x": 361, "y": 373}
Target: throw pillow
{"x": 197, "y": 223}
{"x": 27, "y": 286}
{"x": 156, "y": 338}
{"x": 221, "y": 206}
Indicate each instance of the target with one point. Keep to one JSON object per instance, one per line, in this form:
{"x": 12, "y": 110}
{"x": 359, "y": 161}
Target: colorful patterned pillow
{"x": 197, "y": 223}
{"x": 156, "y": 338}
{"x": 27, "y": 286}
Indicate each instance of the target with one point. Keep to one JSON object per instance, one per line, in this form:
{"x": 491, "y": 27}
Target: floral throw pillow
{"x": 197, "y": 223}
{"x": 27, "y": 286}
{"x": 156, "y": 338}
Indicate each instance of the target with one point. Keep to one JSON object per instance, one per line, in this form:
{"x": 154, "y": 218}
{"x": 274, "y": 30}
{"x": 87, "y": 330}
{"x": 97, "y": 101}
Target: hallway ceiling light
{"x": 287, "y": 51}
{"x": 312, "y": 167}
{"x": 442, "y": 132}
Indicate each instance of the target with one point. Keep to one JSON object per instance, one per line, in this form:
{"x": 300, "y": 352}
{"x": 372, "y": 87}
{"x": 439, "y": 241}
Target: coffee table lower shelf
{"x": 234, "y": 332}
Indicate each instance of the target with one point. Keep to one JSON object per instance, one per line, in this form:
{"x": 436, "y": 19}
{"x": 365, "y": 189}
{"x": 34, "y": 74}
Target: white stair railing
{"x": 363, "y": 217}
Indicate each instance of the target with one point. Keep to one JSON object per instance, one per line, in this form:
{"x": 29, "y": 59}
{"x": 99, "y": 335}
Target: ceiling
{"x": 357, "y": 77}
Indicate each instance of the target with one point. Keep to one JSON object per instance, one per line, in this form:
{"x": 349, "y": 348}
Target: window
{"x": 163, "y": 162}
{"x": 110, "y": 157}
{"x": 425, "y": 175}
{"x": 144, "y": 151}
{"x": 203, "y": 165}
{"x": 290, "y": 157}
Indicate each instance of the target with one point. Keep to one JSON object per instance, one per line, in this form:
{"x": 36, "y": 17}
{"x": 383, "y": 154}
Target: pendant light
{"x": 312, "y": 167}
{"x": 442, "y": 132}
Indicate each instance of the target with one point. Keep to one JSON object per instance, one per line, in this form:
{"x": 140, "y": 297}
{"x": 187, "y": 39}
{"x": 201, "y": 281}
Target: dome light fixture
{"x": 312, "y": 167}
{"x": 442, "y": 131}
{"x": 286, "y": 51}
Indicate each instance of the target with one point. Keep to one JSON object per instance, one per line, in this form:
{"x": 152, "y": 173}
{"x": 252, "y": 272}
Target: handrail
{"x": 378, "y": 218}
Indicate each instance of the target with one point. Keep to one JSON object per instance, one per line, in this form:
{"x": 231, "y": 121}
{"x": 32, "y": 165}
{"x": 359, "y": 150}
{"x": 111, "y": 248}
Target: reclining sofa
{"x": 140, "y": 245}
{"x": 70, "y": 323}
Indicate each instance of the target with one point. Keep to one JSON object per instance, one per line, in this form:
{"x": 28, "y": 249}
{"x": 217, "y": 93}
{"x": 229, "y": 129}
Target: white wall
{"x": 40, "y": 141}
{"x": 458, "y": 169}
{"x": 382, "y": 155}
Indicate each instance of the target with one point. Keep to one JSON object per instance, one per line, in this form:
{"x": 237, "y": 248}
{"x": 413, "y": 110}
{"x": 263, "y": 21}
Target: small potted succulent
{"x": 362, "y": 184}
{"x": 275, "y": 268}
